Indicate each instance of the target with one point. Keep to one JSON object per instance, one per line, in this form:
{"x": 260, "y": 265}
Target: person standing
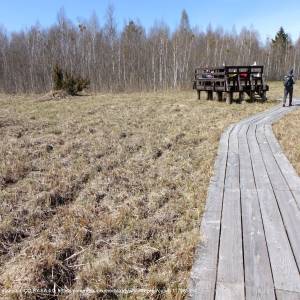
{"x": 288, "y": 87}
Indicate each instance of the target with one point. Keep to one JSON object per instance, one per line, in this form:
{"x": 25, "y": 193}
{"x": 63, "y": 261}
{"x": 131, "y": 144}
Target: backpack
{"x": 288, "y": 81}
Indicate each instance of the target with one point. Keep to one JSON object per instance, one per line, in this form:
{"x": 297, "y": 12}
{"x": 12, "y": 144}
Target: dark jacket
{"x": 289, "y": 81}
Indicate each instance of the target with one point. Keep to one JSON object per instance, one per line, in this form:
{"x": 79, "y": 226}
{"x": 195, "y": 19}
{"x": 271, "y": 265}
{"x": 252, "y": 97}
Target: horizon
{"x": 17, "y": 15}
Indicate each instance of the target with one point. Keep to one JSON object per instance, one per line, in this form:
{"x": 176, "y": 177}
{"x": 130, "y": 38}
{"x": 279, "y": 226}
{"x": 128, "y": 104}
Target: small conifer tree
{"x": 67, "y": 82}
{"x": 70, "y": 84}
{"x": 58, "y": 77}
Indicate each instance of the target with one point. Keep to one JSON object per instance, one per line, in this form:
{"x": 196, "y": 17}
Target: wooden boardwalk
{"x": 250, "y": 231}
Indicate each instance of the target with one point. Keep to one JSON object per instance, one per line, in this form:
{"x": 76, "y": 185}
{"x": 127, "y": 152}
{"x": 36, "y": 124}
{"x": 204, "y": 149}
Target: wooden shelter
{"x": 229, "y": 80}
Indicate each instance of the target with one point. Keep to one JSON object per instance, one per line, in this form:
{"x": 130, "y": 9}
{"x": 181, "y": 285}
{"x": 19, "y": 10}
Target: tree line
{"x": 132, "y": 59}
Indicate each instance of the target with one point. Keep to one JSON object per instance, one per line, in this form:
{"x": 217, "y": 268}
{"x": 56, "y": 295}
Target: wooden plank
{"x": 291, "y": 218}
{"x": 204, "y": 272}
{"x": 275, "y": 146}
{"x": 230, "y": 269}
{"x": 258, "y": 274}
{"x": 214, "y": 200}
{"x": 291, "y": 177}
{"x": 296, "y": 195}
{"x": 232, "y": 291}
{"x": 253, "y": 293}
{"x": 276, "y": 177}
{"x": 246, "y": 174}
{"x": 202, "y": 283}
{"x": 257, "y": 118}
{"x": 286, "y": 295}
{"x": 221, "y": 160}
{"x": 201, "y": 289}
{"x": 286, "y": 168}
{"x": 286, "y": 202}
{"x": 273, "y": 118}
{"x": 233, "y": 169}
{"x": 203, "y": 278}
{"x": 284, "y": 268}
{"x": 260, "y": 174}
{"x": 273, "y": 115}
{"x": 208, "y": 248}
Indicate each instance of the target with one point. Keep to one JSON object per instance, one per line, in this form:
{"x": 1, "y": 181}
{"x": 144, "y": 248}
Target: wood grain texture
{"x": 286, "y": 295}
{"x": 250, "y": 245}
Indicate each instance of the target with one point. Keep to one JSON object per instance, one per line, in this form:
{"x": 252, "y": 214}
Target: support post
{"x": 264, "y": 96}
{"x": 241, "y": 97}
{"x": 220, "y": 96}
{"x": 252, "y": 96}
{"x": 199, "y": 94}
{"x": 229, "y": 97}
{"x": 210, "y": 95}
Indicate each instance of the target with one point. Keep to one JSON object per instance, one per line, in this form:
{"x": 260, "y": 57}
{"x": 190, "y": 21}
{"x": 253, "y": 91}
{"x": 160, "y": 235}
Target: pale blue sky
{"x": 264, "y": 15}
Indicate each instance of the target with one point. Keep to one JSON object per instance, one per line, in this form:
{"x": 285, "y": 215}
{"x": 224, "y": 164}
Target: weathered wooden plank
{"x": 284, "y": 268}
{"x": 261, "y": 177}
{"x": 291, "y": 218}
{"x": 214, "y": 200}
{"x": 204, "y": 272}
{"x": 254, "y": 293}
{"x": 230, "y": 269}
{"x": 221, "y": 160}
{"x": 288, "y": 171}
{"x": 274, "y": 115}
{"x": 258, "y": 274}
{"x": 201, "y": 289}
{"x": 286, "y": 202}
{"x": 246, "y": 173}
{"x": 286, "y": 295}
{"x": 205, "y": 266}
{"x": 232, "y": 291}
{"x": 233, "y": 139}
{"x": 296, "y": 195}
{"x": 275, "y": 146}
{"x": 278, "y": 116}
{"x": 259, "y": 116}
{"x": 208, "y": 247}
{"x": 232, "y": 171}
{"x": 276, "y": 177}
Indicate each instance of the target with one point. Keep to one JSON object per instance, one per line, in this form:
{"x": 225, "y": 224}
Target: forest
{"x": 133, "y": 58}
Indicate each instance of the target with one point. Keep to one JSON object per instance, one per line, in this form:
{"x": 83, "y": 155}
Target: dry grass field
{"x": 106, "y": 191}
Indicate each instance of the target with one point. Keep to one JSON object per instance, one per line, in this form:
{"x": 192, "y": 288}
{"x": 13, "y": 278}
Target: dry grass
{"x": 276, "y": 90}
{"x": 106, "y": 191}
{"x": 287, "y": 131}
